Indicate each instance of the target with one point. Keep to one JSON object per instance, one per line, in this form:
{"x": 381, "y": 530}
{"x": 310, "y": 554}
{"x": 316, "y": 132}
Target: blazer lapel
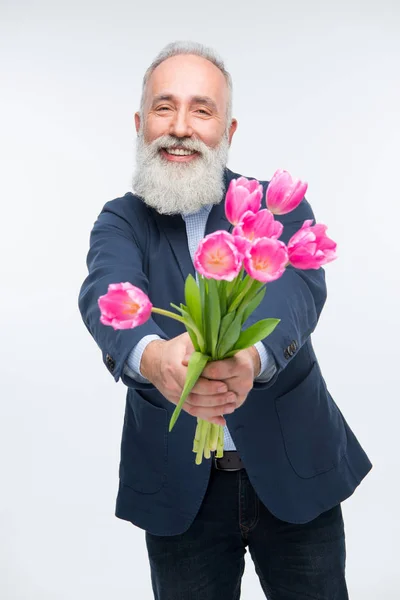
{"x": 217, "y": 219}
{"x": 174, "y": 228}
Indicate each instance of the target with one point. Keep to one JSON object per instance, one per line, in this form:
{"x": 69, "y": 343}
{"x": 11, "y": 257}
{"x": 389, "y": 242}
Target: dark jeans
{"x": 293, "y": 562}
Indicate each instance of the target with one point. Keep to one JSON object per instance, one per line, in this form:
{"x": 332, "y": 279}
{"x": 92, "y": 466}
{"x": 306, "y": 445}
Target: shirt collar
{"x": 204, "y": 210}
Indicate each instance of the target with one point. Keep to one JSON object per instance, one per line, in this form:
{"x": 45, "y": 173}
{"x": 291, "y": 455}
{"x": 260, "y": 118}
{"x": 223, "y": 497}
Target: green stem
{"x": 240, "y": 297}
{"x": 167, "y": 313}
{"x": 197, "y": 436}
{"x": 214, "y": 437}
{"x": 207, "y": 451}
{"x": 220, "y": 443}
{"x": 232, "y": 286}
{"x": 203, "y": 434}
{"x": 255, "y": 288}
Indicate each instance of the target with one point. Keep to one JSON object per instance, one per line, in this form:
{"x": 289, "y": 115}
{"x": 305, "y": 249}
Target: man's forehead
{"x": 188, "y": 76}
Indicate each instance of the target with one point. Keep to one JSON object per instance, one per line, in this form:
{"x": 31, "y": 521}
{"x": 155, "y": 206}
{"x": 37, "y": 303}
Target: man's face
{"x": 186, "y": 97}
{"x": 183, "y": 136}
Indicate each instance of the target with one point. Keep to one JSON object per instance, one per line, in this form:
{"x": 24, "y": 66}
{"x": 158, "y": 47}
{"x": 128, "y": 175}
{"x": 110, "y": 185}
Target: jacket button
{"x": 293, "y": 346}
{"x": 110, "y": 362}
{"x": 286, "y": 353}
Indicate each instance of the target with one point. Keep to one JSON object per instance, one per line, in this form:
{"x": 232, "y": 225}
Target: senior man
{"x": 290, "y": 458}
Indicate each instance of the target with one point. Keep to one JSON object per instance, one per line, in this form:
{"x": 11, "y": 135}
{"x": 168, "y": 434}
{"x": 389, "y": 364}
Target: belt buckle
{"x": 222, "y": 469}
{"x": 215, "y": 460}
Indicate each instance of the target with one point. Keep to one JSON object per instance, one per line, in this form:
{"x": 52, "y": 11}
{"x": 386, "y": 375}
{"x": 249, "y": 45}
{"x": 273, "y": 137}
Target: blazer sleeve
{"x": 114, "y": 256}
{"x": 297, "y": 299}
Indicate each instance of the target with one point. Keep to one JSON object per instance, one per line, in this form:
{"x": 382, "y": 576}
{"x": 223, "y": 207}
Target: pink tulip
{"x": 242, "y": 195}
{"x": 253, "y": 226}
{"x": 284, "y": 193}
{"x": 124, "y": 306}
{"x": 266, "y": 260}
{"x": 217, "y": 257}
{"x": 310, "y": 247}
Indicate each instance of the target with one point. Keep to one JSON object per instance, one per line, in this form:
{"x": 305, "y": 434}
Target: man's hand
{"x": 164, "y": 364}
{"x": 237, "y": 372}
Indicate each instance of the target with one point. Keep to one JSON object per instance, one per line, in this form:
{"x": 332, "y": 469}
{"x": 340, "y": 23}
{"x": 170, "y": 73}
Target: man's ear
{"x": 232, "y": 129}
{"x": 137, "y": 121}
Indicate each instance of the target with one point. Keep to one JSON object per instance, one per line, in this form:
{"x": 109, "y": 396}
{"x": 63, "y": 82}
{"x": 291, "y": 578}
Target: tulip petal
{"x": 124, "y": 306}
{"x": 217, "y": 257}
{"x": 284, "y": 193}
{"x": 310, "y": 247}
{"x": 242, "y": 195}
{"x": 267, "y": 259}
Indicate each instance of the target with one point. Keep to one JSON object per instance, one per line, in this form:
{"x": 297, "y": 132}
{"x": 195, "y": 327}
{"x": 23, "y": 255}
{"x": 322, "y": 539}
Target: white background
{"x": 317, "y": 93}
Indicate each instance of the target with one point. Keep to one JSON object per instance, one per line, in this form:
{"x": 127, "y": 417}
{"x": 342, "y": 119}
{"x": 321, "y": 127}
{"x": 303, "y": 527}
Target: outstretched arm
{"x": 114, "y": 256}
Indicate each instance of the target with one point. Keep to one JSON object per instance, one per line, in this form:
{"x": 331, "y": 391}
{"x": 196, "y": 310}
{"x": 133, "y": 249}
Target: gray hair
{"x": 178, "y": 48}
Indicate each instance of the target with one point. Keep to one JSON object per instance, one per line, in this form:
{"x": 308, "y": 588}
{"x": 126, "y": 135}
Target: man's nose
{"x": 180, "y": 124}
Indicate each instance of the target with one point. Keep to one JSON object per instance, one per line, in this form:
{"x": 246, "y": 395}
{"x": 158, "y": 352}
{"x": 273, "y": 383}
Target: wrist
{"x": 256, "y": 360}
{"x": 151, "y": 358}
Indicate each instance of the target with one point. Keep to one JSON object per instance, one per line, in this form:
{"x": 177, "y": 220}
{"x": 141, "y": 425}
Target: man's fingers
{"x": 205, "y": 387}
{"x": 210, "y": 412}
{"x": 215, "y": 400}
{"x": 220, "y": 369}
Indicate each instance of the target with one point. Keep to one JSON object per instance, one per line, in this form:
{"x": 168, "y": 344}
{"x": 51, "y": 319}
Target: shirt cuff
{"x": 132, "y": 363}
{"x": 268, "y": 365}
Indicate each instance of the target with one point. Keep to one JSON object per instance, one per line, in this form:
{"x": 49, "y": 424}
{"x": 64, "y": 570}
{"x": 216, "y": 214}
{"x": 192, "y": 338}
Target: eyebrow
{"x": 195, "y": 100}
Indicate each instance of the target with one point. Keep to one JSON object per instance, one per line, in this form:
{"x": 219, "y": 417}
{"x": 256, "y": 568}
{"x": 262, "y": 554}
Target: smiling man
{"x": 290, "y": 458}
{"x": 185, "y": 135}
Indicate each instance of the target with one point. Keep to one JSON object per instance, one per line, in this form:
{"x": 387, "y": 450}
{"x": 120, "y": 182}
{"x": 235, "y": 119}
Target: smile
{"x": 180, "y": 152}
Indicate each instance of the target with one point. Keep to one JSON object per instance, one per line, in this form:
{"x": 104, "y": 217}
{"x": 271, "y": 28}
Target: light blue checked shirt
{"x": 195, "y": 229}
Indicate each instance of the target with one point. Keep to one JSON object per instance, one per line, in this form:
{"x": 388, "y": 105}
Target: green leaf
{"x": 202, "y": 290}
{"x": 193, "y": 301}
{"x": 253, "y": 304}
{"x": 213, "y": 314}
{"x": 255, "y": 333}
{"x": 222, "y": 297}
{"x": 197, "y": 362}
{"x": 226, "y": 322}
{"x": 191, "y": 327}
{"x": 231, "y": 336}
{"x": 179, "y": 308}
{"x": 190, "y": 324}
{"x": 233, "y": 287}
{"x": 244, "y": 291}
{"x": 230, "y": 285}
{"x": 193, "y": 337}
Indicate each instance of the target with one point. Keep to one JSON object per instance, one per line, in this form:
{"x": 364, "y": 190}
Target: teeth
{"x": 179, "y": 152}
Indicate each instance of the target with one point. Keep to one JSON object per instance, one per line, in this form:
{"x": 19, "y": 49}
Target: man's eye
{"x": 163, "y": 108}
{"x": 203, "y": 112}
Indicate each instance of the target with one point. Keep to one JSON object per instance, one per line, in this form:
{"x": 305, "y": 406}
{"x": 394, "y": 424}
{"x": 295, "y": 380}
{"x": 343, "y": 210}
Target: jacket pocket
{"x": 144, "y": 445}
{"x": 312, "y": 426}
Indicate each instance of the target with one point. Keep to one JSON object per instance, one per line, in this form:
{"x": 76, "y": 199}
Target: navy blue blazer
{"x": 300, "y": 454}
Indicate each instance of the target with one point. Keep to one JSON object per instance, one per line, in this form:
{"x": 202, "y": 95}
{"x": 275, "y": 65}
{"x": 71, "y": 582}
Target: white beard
{"x": 179, "y": 187}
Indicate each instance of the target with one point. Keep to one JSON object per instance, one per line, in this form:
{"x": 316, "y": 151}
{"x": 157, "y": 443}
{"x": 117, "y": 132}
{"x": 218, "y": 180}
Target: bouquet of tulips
{"x": 232, "y": 270}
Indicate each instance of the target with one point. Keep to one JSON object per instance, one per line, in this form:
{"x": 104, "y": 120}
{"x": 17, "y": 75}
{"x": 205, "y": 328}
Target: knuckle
{"x": 216, "y": 388}
{"x": 190, "y": 409}
{"x": 213, "y": 372}
{"x": 192, "y": 398}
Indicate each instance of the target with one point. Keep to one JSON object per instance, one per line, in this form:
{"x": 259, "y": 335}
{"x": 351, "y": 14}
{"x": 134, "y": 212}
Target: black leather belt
{"x": 230, "y": 461}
